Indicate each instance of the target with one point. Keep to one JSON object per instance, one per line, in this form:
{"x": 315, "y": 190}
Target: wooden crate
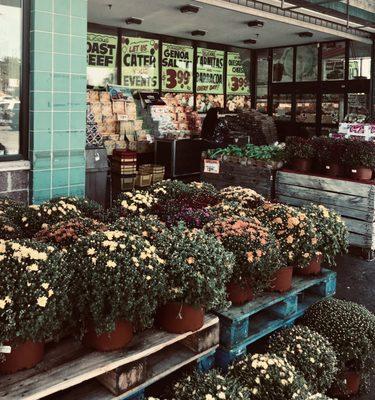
{"x": 354, "y": 201}
{"x": 260, "y": 178}
{"x": 69, "y": 370}
{"x": 241, "y": 326}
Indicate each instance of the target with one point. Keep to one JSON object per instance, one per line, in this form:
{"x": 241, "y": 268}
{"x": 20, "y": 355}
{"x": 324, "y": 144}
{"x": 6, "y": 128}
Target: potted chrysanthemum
{"x": 245, "y": 197}
{"x": 256, "y": 253}
{"x": 34, "y": 301}
{"x": 119, "y": 280}
{"x": 135, "y": 203}
{"x": 359, "y": 157}
{"x": 299, "y": 153}
{"x": 198, "y": 270}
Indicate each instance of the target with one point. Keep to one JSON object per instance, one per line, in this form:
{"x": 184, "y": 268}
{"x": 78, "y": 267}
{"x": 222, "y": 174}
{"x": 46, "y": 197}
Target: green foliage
{"x": 329, "y": 150}
{"x": 359, "y": 154}
{"x": 270, "y": 377}
{"x": 311, "y": 354}
{"x": 198, "y": 269}
{"x": 332, "y": 233}
{"x": 8, "y": 229}
{"x": 34, "y": 291}
{"x": 118, "y": 276}
{"x": 299, "y": 148}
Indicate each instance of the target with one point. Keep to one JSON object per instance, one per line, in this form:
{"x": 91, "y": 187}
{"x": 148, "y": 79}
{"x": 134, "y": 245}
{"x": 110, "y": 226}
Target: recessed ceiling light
{"x": 189, "y": 9}
{"x": 133, "y": 21}
{"x": 255, "y": 24}
{"x": 250, "y": 41}
{"x": 198, "y": 33}
{"x": 305, "y": 34}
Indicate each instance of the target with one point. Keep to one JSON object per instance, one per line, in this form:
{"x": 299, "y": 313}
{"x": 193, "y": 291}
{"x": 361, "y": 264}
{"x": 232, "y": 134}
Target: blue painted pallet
{"x": 244, "y": 325}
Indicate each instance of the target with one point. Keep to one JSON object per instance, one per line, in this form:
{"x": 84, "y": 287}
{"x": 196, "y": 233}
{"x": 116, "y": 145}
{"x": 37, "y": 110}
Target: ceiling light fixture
{"x": 189, "y": 9}
{"x": 250, "y": 41}
{"x": 133, "y": 21}
{"x": 305, "y": 34}
{"x": 199, "y": 33}
{"x": 255, "y": 24}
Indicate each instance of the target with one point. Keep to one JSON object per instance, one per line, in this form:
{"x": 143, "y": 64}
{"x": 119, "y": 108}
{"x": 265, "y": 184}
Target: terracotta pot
{"x": 282, "y": 281}
{"x": 177, "y": 317}
{"x": 302, "y": 165}
{"x": 115, "y": 340}
{"x": 361, "y": 174}
{"x": 314, "y": 268}
{"x": 240, "y": 294}
{"x": 23, "y": 356}
{"x": 333, "y": 170}
{"x": 353, "y": 383}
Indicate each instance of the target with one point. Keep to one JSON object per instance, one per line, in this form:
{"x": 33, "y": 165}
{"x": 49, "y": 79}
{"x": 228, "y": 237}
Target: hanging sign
{"x": 210, "y": 71}
{"x": 101, "y": 50}
{"x": 177, "y": 68}
{"x": 237, "y": 82}
{"x": 140, "y": 63}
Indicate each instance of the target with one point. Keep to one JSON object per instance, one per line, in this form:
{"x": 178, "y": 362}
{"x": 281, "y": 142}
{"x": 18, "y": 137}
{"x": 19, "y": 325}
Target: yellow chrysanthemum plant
{"x": 34, "y": 298}
{"x": 119, "y": 281}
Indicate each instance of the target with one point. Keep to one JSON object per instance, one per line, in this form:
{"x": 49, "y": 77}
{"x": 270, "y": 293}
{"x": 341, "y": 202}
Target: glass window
{"x": 332, "y": 108}
{"x": 358, "y": 105}
{"x": 306, "y": 108}
{"x": 282, "y": 70}
{"x": 282, "y": 107}
{"x": 333, "y": 58}
{"x": 307, "y": 63}
{"x": 236, "y": 103}
{"x": 262, "y": 67}
{"x": 262, "y": 99}
{"x": 207, "y": 101}
{"x": 10, "y": 75}
{"x": 359, "y": 61}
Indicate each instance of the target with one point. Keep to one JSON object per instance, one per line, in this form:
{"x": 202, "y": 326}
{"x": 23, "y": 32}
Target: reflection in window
{"x": 208, "y": 101}
{"x": 282, "y": 70}
{"x": 359, "y": 60}
{"x": 332, "y": 108}
{"x": 307, "y": 63}
{"x": 262, "y": 99}
{"x": 333, "y": 58}
{"x": 357, "y": 106}
{"x": 282, "y": 107}
{"x": 306, "y": 108}
{"x": 236, "y": 103}
{"x": 10, "y": 75}
{"x": 262, "y": 67}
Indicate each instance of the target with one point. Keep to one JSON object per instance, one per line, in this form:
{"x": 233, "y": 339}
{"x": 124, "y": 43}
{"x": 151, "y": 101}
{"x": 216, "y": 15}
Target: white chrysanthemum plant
{"x": 136, "y": 202}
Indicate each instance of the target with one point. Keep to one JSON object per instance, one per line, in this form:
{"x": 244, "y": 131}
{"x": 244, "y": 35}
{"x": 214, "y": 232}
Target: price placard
{"x": 211, "y": 166}
{"x": 210, "y": 71}
{"x": 177, "y": 68}
{"x": 101, "y": 50}
{"x": 237, "y": 82}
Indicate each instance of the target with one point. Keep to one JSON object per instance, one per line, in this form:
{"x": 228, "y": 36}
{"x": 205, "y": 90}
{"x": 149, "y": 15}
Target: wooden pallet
{"x": 259, "y": 178}
{"x": 244, "y": 325}
{"x": 68, "y": 364}
{"x": 354, "y": 201}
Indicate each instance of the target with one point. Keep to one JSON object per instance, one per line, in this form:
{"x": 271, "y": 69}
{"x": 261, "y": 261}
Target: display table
{"x": 353, "y": 200}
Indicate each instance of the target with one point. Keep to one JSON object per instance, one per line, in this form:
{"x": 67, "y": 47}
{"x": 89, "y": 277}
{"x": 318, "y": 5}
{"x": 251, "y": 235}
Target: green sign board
{"x": 177, "y": 68}
{"x": 210, "y": 71}
{"x": 140, "y": 63}
{"x": 101, "y": 50}
{"x": 237, "y": 82}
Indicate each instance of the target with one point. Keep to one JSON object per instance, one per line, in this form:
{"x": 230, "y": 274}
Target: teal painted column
{"x": 58, "y": 98}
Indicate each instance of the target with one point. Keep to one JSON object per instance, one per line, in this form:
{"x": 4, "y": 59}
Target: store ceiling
{"x": 222, "y": 25}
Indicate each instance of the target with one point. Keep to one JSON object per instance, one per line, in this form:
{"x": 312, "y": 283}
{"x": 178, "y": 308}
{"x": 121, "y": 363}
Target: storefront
{"x": 55, "y": 53}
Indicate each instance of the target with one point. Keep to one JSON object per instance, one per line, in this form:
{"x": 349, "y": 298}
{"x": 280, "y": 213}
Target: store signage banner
{"x": 210, "y": 71}
{"x": 101, "y": 50}
{"x": 140, "y": 63}
{"x": 237, "y": 82}
{"x": 177, "y": 68}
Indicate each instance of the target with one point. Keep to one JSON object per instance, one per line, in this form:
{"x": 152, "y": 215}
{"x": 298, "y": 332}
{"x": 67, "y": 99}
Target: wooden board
{"x": 161, "y": 365}
{"x": 69, "y": 363}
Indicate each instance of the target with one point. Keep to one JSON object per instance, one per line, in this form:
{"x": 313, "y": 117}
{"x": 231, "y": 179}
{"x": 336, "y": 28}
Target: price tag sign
{"x": 237, "y": 82}
{"x": 177, "y": 68}
{"x": 5, "y": 349}
{"x": 212, "y": 166}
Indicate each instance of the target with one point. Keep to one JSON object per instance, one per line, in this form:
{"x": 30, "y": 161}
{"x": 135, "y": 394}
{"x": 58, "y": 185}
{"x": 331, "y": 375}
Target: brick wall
{"x": 14, "y": 180}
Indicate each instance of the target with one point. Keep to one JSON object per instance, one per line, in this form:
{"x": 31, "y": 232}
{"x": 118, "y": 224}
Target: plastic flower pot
{"x": 23, "y": 356}
{"x": 302, "y": 165}
{"x": 361, "y": 174}
{"x": 334, "y": 169}
{"x": 314, "y": 268}
{"x": 115, "y": 340}
{"x": 282, "y": 281}
{"x": 175, "y": 317}
{"x": 351, "y": 386}
{"x": 240, "y": 293}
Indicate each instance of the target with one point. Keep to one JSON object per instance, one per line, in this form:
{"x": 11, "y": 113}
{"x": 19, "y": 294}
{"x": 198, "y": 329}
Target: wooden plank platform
{"x": 354, "y": 201}
{"x": 244, "y": 325}
{"x": 69, "y": 363}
